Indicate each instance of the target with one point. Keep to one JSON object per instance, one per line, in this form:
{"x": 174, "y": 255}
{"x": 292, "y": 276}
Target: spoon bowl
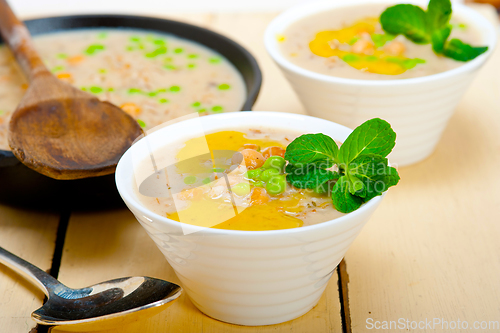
{"x": 65, "y": 133}
{"x": 58, "y": 130}
{"x": 102, "y": 306}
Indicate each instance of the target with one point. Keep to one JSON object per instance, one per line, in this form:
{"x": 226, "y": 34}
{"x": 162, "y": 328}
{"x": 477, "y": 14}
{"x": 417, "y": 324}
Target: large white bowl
{"x": 248, "y": 277}
{"x": 418, "y": 109}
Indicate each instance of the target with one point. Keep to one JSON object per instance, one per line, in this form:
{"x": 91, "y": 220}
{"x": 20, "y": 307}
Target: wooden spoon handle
{"x": 17, "y": 36}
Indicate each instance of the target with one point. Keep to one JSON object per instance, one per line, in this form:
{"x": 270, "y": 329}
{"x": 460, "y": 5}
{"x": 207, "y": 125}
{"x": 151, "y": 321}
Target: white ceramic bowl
{"x": 248, "y": 277}
{"x": 418, "y": 109}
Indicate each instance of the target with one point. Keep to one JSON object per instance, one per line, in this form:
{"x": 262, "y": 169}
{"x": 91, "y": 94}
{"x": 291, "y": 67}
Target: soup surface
{"x": 153, "y": 77}
{"x": 218, "y": 190}
{"x": 350, "y": 43}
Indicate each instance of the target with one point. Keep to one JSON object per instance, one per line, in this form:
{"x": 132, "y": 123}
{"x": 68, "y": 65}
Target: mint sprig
{"x": 431, "y": 26}
{"x": 363, "y": 170}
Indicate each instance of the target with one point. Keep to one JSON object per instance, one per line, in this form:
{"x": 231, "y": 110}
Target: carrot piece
{"x": 75, "y": 59}
{"x": 131, "y": 108}
{"x": 67, "y": 77}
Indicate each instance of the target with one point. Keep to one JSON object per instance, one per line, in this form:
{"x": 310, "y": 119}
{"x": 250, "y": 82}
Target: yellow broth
{"x": 291, "y": 209}
{"x": 350, "y": 43}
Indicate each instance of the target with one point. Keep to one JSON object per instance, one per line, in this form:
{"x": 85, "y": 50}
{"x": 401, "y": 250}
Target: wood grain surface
{"x": 430, "y": 251}
{"x": 31, "y": 236}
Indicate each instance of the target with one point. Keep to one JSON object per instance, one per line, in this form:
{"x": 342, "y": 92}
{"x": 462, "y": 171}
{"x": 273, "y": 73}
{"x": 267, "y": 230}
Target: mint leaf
{"x": 375, "y": 185}
{"x": 375, "y": 174}
{"x": 458, "y": 50}
{"x": 312, "y": 148}
{"x": 407, "y": 20}
{"x": 342, "y": 199}
{"x": 439, "y": 38}
{"x": 308, "y": 176}
{"x": 374, "y": 136}
{"x": 370, "y": 164}
{"x": 438, "y": 14}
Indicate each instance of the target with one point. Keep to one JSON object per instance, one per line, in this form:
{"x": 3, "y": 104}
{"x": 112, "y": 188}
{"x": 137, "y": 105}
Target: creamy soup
{"x": 153, "y": 77}
{"x": 350, "y": 43}
{"x": 236, "y": 195}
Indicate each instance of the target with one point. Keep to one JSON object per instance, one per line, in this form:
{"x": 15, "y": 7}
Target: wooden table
{"x": 431, "y": 251}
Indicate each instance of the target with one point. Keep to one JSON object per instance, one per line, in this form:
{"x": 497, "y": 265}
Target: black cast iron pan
{"x": 24, "y": 187}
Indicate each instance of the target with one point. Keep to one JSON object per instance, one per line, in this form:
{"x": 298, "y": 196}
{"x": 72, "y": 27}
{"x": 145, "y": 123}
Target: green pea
{"x": 163, "y": 100}
{"x": 254, "y": 174}
{"x": 158, "y": 51}
{"x": 191, "y": 66}
{"x": 241, "y": 189}
{"x": 196, "y": 104}
{"x": 214, "y": 60}
{"x": 95, "y": 90}
{"x": 275, "y": 162}
{"x": 57, "y": 69}
{"x": 276, "y": 185}
{"x": 141, "y": 123}
{"x": 259, "y": 183}
{"x": 178, "y": 50}
{"x": 224, "y": 86}
{"x": 175, "y": 88}
{"x": 217, "y": 108}
{"x": 94, "y": 48}
{"x": 134, "y": 91}
{"x": 190, "y": 180}
{"x": 267, "y": 174}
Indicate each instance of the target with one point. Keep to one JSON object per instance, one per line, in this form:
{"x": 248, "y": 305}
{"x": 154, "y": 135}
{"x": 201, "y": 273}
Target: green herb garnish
{"x": 428, "y": 27}
{"x": 363, "y": 170}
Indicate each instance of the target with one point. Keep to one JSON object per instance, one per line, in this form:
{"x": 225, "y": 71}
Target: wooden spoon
{"x": 58, "y": 130}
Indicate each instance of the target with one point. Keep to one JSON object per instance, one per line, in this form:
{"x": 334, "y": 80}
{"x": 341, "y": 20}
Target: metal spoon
{"x": 98, "y": 307}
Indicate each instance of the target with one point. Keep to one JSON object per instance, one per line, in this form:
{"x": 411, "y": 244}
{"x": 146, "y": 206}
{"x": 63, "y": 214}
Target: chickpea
{"x": 251, "y": 146}
{"x": 259, "y": 196}
{"x": 273, "y": 151}
{"x": 363, "y": 46}
{"x": 395, "y": 48}
{"x": 253, "y": 159}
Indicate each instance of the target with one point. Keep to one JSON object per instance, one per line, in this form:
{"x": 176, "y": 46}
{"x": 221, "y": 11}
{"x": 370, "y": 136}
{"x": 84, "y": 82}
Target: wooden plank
{"x": 105, "y": 245}
{"x": 31, "y": 236}
{"x": 432, "y": 249}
